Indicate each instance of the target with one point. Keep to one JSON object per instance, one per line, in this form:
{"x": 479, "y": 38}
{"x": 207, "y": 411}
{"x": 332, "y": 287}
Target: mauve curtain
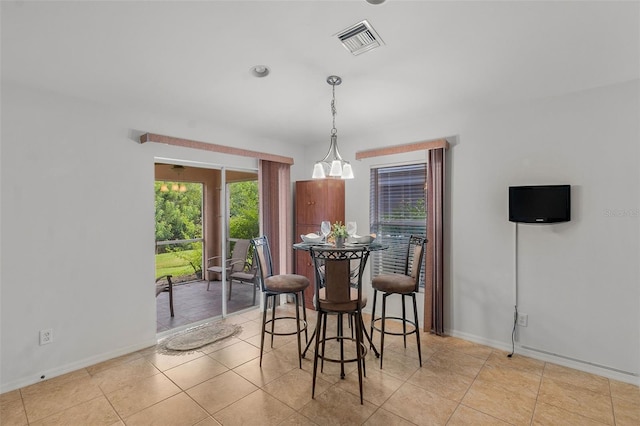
{"x": 274, "y": 181}
{"x": 433, "y": 294}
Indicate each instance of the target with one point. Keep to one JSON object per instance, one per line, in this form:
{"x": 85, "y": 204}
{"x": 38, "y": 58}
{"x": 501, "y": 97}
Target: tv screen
{"x": 540, "y": 204}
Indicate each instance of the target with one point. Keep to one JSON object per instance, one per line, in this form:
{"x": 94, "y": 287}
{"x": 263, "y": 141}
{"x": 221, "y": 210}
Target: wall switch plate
{"x": 523, "y": 320}
{"x": 46, "y": 336}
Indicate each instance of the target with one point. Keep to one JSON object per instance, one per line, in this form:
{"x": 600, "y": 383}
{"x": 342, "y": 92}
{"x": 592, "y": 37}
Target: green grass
{"x": 170, "y": 264}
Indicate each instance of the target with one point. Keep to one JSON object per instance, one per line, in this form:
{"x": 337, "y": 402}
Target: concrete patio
{"x": 192, "y": 303}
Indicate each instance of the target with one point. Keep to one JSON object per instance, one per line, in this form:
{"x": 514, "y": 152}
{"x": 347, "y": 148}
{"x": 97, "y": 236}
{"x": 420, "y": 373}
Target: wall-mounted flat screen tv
{"x": 540, "y": 204}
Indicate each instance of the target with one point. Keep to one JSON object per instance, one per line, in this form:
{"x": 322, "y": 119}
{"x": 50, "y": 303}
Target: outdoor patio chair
{"x": 235, "y": 263}
{"x": 247, "y": 275}
{"x": 168, "y": 286}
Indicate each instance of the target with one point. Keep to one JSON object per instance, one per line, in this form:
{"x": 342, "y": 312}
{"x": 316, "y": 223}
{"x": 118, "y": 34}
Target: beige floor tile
{"x": 124, "y": 359}
{"x": 10, "y": 396}
{"x": 457, "y": 362}
{"x": 434, "y": 341}
{"x": 294, "y": 388}
{"x": 470, "y": 348}
{"x": 54, "y": 383}
{"x": 122, "y": 374}
{"x": 517, "y": 361}
{"x": 332, "y": 371}
{"x": 625, "y": 391}
{"x": 420, "y": 406}
{"x": 272, "y": 368}
{"x": 254, "y": 314}
{"x": 97, "y": 412}
{"x": 55, "y": 396}
{"x": 287, "y": 348}
{"x": 336, "y": 406}
{"x": 194, "y": 372}
{"x": 236, "y": 354}
{"x": 501, "y": 403}
{"x": 238, "y": 319}
{"x": 396, "y": 364}
{"x": 577, "y": 378}
{"x": 297, "y": 419}
{"x": 442, "y": 382}
{"x": 165, "y": 361}
{"x": 513, "y": 380}
{"x": 257, "y": 408}
{"x": 464, "y": 416}
{"x": 178, "y": 410}
{"x": 12, "y": 412}
{"x": 249, "y": 329}
{"x": 384, "y": 418}
{"x": 255, "y": 341}
{"x": 377, "y": 386}
{"x": 549, "y": 415}
{"x": 578, "y": 400}
{"x": 141, "y": 394}
{"x": 626, "y": 412}
{"x": 411, "y": 351}
{"x": 221, "y": 391}
{"x": 209, "y": 421}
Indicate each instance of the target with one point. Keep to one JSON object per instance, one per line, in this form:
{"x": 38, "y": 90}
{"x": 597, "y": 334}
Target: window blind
{"x": 397, "y": 210}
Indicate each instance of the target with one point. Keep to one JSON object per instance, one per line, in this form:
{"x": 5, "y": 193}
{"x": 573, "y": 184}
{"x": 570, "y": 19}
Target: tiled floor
{"x": 460, "y": 383}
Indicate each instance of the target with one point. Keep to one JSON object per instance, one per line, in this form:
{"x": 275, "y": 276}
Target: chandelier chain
{"x": 333, "y": 110}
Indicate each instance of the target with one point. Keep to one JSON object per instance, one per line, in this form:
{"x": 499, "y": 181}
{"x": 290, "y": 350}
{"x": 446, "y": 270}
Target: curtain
{"x": 274, "y": 181}
{"x": 433, "y": 295}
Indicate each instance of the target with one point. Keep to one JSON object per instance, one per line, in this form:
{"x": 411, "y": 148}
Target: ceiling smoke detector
{"x": 360, "y": 38}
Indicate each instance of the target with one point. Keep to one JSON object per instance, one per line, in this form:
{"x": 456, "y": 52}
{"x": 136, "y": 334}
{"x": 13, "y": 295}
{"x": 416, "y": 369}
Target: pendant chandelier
{"x": 332, "y": 164}
{"x": 175, "y": 186}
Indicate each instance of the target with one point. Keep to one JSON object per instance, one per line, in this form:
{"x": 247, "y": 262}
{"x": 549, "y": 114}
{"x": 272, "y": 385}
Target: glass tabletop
{"x": 374, "y": 246}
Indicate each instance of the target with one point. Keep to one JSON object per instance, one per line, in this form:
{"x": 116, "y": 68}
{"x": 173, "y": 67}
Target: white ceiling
{"x": 192, "y": 59}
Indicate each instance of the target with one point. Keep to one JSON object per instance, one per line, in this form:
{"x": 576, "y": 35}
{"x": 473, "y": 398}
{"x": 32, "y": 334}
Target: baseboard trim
{"x": 77, "y": 365}
{"x": 542, "y": 355}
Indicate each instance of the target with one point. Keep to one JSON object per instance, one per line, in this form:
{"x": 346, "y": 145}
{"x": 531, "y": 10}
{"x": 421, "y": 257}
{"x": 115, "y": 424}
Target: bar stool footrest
{"x": 395, "y": 333}
{"x": 303, "y": 327}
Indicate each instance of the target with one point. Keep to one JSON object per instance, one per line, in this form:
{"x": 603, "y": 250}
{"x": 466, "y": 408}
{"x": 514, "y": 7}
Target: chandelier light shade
{"x": 332, "y": 164}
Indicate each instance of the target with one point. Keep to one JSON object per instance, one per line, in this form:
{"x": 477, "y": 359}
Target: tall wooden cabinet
{"x": 316, "y": 200}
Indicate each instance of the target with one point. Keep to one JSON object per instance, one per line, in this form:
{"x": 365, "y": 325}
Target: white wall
{"x": 78, "y": 230}
{"x": 579, "y": 282}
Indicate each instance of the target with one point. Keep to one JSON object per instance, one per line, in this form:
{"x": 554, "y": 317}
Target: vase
{"x": 339, "y": 242}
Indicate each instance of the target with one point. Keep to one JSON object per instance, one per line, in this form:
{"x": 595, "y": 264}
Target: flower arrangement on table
{"x": 339, "y": 233}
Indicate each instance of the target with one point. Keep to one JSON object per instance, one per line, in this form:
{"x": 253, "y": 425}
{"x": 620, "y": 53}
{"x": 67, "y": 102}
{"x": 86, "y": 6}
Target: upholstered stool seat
{"x": 286, "y": 283}
{"x": 406, "y": 284}
{"x": 394, "y": 283}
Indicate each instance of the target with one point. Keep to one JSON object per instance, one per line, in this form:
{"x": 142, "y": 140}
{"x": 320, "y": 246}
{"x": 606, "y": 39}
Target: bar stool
{"x": 336, "y": 293}
{"x": 406, "y": 285}
{"x": 276, "y": 285}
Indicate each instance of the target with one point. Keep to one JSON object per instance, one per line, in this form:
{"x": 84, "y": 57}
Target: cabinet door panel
{"x": 309, "y": 201}
{"x": 316, "y": 200}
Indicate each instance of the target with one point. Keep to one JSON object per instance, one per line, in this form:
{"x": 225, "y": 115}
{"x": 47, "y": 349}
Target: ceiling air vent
{"x": 360, "y": 38}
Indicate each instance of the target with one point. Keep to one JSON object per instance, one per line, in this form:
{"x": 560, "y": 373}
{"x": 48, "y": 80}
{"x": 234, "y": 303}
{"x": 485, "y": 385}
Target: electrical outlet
{"x": 523, "y": 320}
{"x": 46, "y": 336}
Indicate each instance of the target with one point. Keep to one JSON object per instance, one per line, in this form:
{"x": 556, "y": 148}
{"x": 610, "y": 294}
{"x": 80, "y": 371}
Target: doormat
{"x": 199, "y": 336}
